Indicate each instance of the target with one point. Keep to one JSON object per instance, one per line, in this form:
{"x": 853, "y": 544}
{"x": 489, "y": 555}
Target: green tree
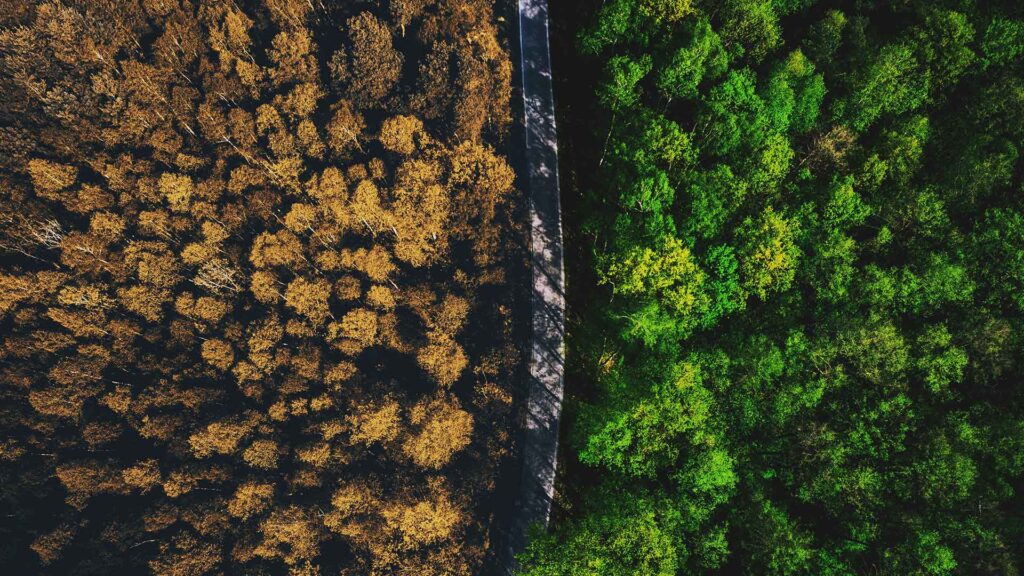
{"x": 631, "y": 533}
{"x": 703, "y": 57}
{"x": 768, "y": 255}
{"x": 893, "y": 82}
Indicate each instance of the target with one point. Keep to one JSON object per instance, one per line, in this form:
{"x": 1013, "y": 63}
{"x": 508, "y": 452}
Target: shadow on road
{"x": 530, "y": 501}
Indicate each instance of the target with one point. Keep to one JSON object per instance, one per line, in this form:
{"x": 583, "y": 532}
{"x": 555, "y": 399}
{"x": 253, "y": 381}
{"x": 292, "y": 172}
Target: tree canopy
{"x": 257, "y": 270}
{"x": 796, "y": 239}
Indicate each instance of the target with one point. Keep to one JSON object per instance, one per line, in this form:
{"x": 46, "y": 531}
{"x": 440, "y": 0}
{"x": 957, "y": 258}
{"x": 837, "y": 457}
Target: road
{"x": 539, "y": 435}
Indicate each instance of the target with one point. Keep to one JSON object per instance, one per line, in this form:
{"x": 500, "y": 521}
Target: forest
{"x": 263, "y": 269}
{"x": 257, "y": 280}
{"x": 795, "y": 251}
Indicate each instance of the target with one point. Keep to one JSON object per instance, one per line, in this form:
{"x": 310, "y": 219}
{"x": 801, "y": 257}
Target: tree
{"x": 614, "y": 22}
{"x": 218, "y": 438}
{"x": 50, "y": 178}
{"x": 293, "y": 57}
{"x": 668, "y": 274}
{"x": 778, "y": 546}
{"x": 854, "y": 171}
{"x": 401, "y": 134}
{"x": 357, "y": 327}
{"x": 424, "y": 523}
{"x": 186, "y": 554}
{"x": 442, "y": 430}
{"x": 630, "y": 534}
{"x": 310, "y": 299}
{"x": 704, "y": 57}
{"x": 751, "y": 28}
{"x": 85, "y": 479}
{"x": 668, "y": 12}
{"x": 768, "y": 254}
{"x": 892, "y": 83}
{"x": 622, "y": 76}
{"x": 714, "y": 197}
{"x": 734, "y": 113}
{"x": 372, "y": 66}
{"x": 373, "y": 422}
{"x": 943, "y": 43}
{"x": 290, "y": 534}
{"x": 218, "y": 353}
{"x": 207, "y": 277}
{"x": 250, "y": 499}
{"x": 638, "y": 432}
{"x": 442, "y": 358}
{"x": 282, "y": 248}
{"x": 144, "y": 476}
{"x": 825, "y": 36}
{"x": 1002, "y": 42}
{"x": 262, "y": 453}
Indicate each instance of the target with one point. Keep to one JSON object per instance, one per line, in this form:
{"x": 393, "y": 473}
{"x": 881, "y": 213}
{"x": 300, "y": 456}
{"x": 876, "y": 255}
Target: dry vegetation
{"x": 254, "y": 288}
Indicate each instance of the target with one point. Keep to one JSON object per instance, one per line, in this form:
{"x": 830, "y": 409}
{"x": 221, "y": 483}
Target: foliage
{"x": 254, "y": 298}
{"x": 798, "y": 345}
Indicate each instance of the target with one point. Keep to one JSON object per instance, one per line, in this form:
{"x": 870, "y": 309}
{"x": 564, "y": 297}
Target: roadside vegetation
{"x": 255, "y": 286}
{"x": 796, "y": 240}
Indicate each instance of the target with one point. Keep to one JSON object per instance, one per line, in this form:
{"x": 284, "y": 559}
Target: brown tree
{"x": 370, "y": 68}
{"x": 223, "y": 251}
{"x": 310, "y": 299}
{"x": 443, "y": 430}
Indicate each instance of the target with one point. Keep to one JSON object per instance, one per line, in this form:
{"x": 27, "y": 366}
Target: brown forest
{"x": 255, "y": 285}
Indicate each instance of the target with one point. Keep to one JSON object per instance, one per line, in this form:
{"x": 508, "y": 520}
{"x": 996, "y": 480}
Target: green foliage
{"x": 825, "y": 36}
{"x": 943, "y": 43}
{"x": 779, "y": 548}
{"x": 924, "y": 555}
{"x": 941, "y": 363}
{"x": 701, "y": 57}
{"x": 622, "y": 76}
{"x": 892, "y": 83}
{"x": 724, "y": 288}
{"x": 767, "y": 253}
{"x": 629, "y": 534}
{"x": 639, "y": 433}
{"x": 808, "y": 220}
{"x": 1000, "y": 251}
{"x": 668, "y": 273}
{"x": 715, "y": 196}
{"x": 751, "y": 28}
{"x": 734, "y": 114}
{"x": 1003, "y": 42}
{"x": 616, "y": 21}
{"x": 902, "y": 148}
{"x": 844, "y": 207}
{"x": 665, "y": 11}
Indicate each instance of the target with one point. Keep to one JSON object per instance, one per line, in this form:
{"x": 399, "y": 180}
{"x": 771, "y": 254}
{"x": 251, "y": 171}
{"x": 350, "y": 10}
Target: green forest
{"x": 795, "y": 242}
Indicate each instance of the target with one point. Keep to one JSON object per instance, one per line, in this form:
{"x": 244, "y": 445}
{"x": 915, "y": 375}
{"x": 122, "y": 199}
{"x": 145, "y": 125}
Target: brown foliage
{"x": 425, "y": 522}
{"x": 291, "y": 534}
{"x": 442, "y": 430}
{"x": 218, "y": 438}
{"x": 262, "y": 454}
{"x": 83, "y": 480}
{"x": 224, "y": 269}
{"x": 250, "y": 499}
{"x": 309, "y": 298}
{"x": 371, "y": 66}
{"x": 49, "y": 545}
{"x": 401, "y": 134}
{"x": 375, "y": 422}
{"x": 143, "y": 476}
